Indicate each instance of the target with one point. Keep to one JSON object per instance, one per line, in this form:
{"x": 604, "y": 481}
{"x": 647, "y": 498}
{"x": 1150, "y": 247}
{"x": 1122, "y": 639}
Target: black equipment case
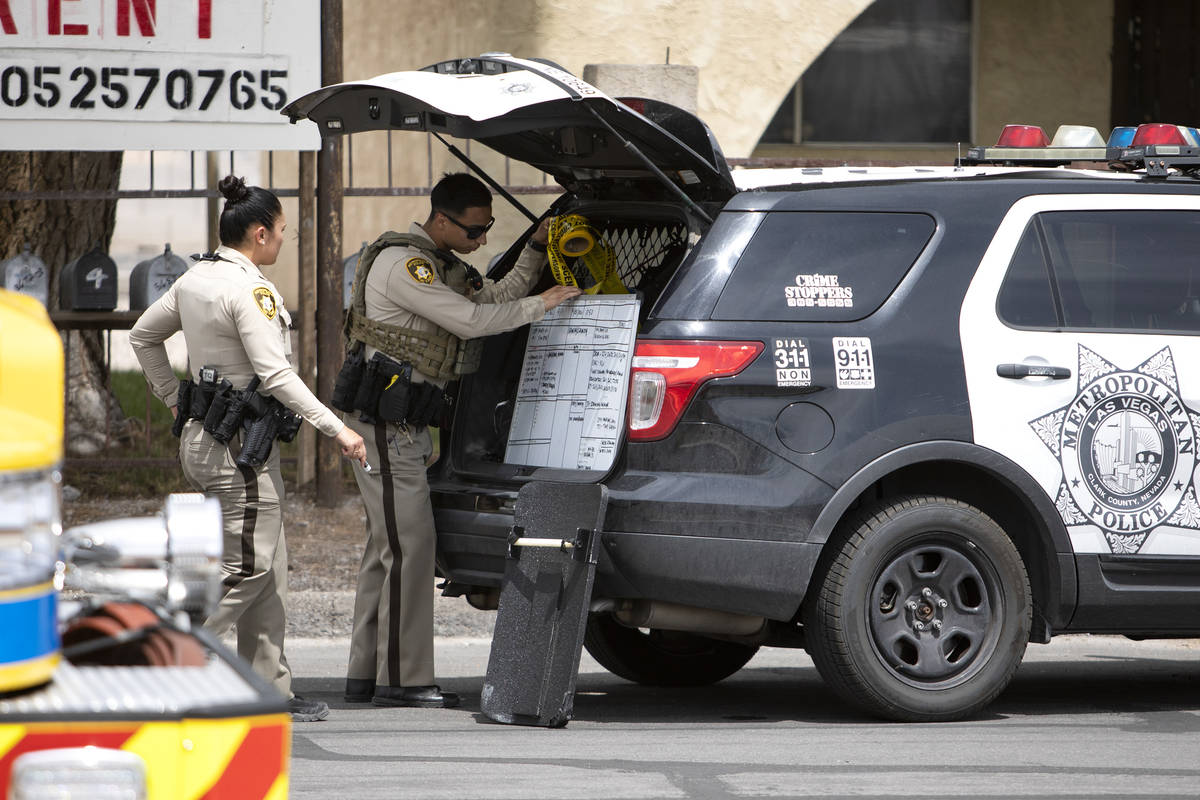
{"x": 544, "y": 600}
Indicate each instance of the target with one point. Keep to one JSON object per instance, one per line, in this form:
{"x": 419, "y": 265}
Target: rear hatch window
{"x": 817, "y": 266}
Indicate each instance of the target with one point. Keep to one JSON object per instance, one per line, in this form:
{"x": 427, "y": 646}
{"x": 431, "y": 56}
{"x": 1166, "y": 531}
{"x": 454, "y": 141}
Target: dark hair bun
{"x": 233, "y": 188}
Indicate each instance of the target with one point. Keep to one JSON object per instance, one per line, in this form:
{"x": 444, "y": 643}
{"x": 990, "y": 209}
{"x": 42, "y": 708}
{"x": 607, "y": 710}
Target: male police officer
{"x": 417, "y": 305}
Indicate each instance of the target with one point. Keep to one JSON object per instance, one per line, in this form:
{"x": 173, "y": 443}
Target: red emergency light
{"x": 1022, "y": 136}
{"x": 1158, "y": 133}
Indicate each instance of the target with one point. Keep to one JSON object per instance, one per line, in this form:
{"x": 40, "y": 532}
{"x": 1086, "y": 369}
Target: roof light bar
{"x": 1028, "y": 144}
{"x": 1158, "y": 148}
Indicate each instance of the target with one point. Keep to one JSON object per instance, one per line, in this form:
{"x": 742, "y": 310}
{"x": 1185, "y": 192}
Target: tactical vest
{"x": 437, "y": 353}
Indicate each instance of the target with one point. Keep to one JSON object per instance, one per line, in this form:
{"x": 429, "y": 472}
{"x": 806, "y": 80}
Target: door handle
{"x": 1032, "y": 371}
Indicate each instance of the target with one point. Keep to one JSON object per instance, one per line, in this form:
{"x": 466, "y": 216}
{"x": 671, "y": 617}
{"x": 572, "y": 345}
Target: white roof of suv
{"x": 761, "y": 177}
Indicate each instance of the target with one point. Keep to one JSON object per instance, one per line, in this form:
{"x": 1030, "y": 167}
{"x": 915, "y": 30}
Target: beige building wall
{"x": 1046, "y": 64}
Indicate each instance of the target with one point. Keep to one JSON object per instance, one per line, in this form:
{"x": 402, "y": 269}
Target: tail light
{"x": 666, "y": 375}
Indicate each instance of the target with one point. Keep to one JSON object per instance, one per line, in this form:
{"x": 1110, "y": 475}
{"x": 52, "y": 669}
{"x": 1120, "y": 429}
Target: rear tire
{"x": 919, "y": 611}
{"x": 662, "y": 658}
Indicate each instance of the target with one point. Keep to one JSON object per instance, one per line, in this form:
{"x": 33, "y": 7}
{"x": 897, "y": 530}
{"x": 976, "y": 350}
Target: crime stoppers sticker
{"x": 792, "y": 367}
{"x": 853, "y": 362}
{"x": 819, "y": 291}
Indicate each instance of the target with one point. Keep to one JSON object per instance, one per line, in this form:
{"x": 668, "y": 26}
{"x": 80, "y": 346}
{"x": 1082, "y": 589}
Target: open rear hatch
{"x": 534, "y": 112}
{"x": 646, "y": 175}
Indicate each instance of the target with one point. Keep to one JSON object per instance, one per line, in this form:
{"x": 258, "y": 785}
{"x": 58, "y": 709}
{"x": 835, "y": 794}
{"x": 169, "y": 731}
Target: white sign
{"x": 156, "y": 74}
{"x": 571, "y": 399}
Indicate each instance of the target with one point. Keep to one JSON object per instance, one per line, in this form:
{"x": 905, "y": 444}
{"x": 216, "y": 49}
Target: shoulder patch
{"x": 265, "y": 301}
{"x": 420, "y": 269}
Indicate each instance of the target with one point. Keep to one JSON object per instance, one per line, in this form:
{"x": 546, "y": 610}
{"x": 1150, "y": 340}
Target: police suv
{"x": 909, "y": 420}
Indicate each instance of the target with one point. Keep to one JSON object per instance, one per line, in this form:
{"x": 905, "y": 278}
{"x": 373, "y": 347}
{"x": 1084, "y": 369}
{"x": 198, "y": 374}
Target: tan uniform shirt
{"x": 233, "y": 319}
{"x": 403, "y": 288}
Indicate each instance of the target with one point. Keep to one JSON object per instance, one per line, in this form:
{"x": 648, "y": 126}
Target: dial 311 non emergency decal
{"x": 792, "y": 367}
{"x": 1127, "y": 447}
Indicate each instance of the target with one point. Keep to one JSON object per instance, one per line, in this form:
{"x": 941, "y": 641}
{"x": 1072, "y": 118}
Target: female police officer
{"x": 234, "y": 322}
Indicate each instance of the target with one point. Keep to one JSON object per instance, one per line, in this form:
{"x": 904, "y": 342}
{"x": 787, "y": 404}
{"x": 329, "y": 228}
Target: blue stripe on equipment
{"x": 30, "y": 625}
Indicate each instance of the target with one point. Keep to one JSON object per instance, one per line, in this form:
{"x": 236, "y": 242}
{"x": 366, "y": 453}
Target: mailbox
{"x": 89, "y": 283}
{"x": 151, "y": 278}
{"x": 27, "y": 274}
{"x": 348, "y": 268}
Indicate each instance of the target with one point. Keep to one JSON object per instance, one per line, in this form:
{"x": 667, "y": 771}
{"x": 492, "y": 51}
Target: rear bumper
{"x": 749, "y": 576}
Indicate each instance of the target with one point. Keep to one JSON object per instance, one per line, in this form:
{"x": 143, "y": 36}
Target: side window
{"x": 818, "y": 266}
{"x": 1026, "y": 300}
{"x": 1106, "y": 270}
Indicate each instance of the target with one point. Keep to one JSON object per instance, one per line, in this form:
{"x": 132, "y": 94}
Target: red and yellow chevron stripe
{"x": 246, "y": 758}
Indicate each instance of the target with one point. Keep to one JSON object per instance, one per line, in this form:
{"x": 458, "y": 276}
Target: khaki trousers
{"x": 392, "y": 640}
{"x": 255, "y": 555}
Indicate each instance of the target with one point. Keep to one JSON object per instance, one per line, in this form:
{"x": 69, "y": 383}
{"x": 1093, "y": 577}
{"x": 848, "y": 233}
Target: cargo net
{"x": 646, "y": 252}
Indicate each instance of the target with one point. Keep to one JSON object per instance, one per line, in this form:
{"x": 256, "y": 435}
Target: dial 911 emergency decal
{"x": 1127, "y": 447}
{"x": 853, "y": 362}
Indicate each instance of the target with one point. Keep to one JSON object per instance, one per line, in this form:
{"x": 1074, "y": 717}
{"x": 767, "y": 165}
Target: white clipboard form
{"x": 570, "y": 404}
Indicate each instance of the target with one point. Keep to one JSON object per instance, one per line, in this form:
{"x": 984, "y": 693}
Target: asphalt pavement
{"x": 1086, "y": 716}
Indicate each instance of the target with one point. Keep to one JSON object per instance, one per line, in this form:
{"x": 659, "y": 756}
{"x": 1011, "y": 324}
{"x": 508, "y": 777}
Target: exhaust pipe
{"x": 675, "y": 617}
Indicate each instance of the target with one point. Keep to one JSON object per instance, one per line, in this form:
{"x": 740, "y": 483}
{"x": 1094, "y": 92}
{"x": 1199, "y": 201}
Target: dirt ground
{"x": 324, "y": 549}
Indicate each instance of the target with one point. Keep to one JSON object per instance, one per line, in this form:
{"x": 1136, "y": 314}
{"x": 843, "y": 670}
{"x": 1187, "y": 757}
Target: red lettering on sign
{"x": 143, "y": 10}
{"x": 6, "y": 20}
{"x": 205, "y": 19}
{"x": 54, "y": 20}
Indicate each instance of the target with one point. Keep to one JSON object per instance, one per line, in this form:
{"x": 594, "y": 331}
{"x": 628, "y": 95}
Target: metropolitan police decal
{"x": 1127, "y": 446}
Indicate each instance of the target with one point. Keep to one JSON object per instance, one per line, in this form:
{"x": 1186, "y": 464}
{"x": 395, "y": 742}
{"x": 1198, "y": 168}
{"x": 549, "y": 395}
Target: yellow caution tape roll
{"x": 576, "y": 242}
{"x": 571, "y": 236}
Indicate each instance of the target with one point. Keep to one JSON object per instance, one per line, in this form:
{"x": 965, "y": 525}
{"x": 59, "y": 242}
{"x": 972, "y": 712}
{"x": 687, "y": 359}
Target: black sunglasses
{"x": 473, "y": 231}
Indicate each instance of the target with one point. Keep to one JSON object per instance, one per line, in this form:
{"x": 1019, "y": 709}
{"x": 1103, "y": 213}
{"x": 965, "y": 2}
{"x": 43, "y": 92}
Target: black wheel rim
{"x": 935, "y": 611}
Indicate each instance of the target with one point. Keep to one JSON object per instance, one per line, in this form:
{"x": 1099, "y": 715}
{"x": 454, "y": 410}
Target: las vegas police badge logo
{"x": 265, "y": 302}
{"x": 1127, "y": 446}
{"x": 420, "y": 270}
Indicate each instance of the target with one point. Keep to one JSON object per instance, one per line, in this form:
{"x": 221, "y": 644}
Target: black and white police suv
{"x": 909, "y": 419}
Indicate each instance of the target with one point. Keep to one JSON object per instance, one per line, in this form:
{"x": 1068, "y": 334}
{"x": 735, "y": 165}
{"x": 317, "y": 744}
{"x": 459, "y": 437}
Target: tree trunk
{"x": 58, "y": 232}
